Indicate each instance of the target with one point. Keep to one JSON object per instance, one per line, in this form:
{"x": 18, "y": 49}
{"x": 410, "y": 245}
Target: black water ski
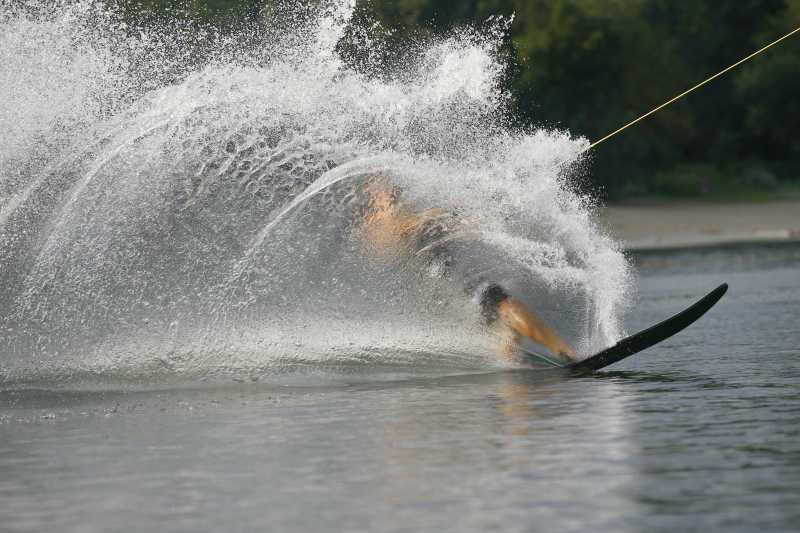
{"x": 650, "y": 336}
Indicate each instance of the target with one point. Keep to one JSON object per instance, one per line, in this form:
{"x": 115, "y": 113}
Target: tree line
{"x": 590, "y": 66}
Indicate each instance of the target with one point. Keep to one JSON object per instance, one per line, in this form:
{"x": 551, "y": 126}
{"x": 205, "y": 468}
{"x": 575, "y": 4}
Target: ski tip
{"x": 652, "y": 335}
{"x": 718, "y": 293}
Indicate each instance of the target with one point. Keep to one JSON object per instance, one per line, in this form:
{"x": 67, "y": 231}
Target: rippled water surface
{"x": 701, "y": 431}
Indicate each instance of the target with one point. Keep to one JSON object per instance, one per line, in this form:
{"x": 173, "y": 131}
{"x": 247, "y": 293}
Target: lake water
{"x": 700, "y": 432}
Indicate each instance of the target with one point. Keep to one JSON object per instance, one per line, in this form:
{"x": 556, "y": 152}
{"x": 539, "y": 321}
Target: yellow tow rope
{"x": 665, "y": 104}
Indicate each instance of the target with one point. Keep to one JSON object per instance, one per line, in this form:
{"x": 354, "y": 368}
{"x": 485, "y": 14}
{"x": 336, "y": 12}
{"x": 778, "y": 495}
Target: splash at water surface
{"x": 176, "y": 201}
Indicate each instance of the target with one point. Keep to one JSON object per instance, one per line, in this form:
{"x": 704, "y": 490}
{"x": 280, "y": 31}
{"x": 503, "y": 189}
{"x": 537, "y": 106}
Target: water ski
{"x": 645, "y": 338}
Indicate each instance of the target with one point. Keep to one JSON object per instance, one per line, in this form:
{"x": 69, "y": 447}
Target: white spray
{"x": 175, "y": 200}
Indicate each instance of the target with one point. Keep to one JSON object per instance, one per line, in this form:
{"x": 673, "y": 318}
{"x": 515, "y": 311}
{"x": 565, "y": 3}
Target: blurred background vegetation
{"x": 590, "y": 66}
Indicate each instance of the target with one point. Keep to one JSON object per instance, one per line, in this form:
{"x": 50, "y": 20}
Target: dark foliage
{"x": 590, "y": 66}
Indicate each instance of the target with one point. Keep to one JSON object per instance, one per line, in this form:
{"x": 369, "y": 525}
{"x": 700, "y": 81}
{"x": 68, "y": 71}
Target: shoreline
{"x": 695, "y": 224}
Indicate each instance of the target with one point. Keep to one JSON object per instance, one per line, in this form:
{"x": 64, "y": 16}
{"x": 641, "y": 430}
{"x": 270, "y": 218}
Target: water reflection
{"x": 540, "y": 440}
{"x": 453, "y": 452}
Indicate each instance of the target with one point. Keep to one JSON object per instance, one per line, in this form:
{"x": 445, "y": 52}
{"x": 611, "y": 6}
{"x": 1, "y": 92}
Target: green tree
{"x": 768, "y": 90}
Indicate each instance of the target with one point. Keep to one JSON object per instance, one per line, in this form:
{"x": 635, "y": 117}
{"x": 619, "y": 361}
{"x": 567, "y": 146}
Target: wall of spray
{"x": 178, "y": 202}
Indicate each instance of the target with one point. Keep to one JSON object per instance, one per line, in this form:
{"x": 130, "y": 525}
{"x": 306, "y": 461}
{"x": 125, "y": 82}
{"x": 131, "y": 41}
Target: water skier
{"x": 388, "y": 224}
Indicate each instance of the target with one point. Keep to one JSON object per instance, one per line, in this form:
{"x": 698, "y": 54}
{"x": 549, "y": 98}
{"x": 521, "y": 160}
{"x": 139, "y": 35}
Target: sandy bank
{"x": 676, "y": 225}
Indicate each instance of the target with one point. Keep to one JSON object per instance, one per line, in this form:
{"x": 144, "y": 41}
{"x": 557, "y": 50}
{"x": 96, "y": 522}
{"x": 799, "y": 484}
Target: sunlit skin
{"x": 389, "y": 224}
{"x": 512, "y": 314}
